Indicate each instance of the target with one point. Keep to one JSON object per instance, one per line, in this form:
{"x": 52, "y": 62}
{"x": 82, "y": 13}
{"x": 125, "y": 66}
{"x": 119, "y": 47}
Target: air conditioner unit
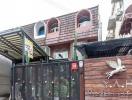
{"x": 47, "y": 50}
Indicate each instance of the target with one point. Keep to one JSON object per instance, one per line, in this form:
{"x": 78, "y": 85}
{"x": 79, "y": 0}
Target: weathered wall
{"x": 98, "y": 87}
{"x": 5, "y": 65}
{"x": 67, "y": 29}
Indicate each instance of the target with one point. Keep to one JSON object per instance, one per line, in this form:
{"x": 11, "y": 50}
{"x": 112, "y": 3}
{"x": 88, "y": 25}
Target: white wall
{"x": 5, "y": 71}
{"x": 105, "y": 12}
{"x": 105, "y": 8}
{"x": 5, "y": 65}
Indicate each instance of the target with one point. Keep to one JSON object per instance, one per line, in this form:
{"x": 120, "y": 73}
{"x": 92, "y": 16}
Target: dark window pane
{"x": 84, "y": 18}
{"x": 41, "y": 31}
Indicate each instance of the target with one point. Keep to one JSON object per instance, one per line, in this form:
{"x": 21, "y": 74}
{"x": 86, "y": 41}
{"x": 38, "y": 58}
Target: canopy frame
{"x": 12, "y": 46}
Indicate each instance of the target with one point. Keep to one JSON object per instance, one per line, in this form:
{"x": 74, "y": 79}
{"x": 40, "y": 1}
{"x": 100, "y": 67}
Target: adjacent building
{"x": 120, "y": 20}
{"x": 59, "y": 34}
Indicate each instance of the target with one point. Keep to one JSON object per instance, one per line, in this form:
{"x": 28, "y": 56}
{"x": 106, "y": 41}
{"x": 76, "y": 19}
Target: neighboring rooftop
{"x": 12, "y": 45}
{"x": 116, "y": 47}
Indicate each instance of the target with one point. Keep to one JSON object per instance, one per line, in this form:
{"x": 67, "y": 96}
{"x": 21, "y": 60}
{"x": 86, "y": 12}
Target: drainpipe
{"x": 74, "y": 51}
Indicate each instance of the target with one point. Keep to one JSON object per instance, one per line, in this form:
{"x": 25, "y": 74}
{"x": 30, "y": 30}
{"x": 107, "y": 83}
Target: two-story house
{"x": 60, "y": 33}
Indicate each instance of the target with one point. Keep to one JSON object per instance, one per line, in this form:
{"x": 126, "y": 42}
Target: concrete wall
{"x": 5, "y": 75}
{"x": 105, "y": 9}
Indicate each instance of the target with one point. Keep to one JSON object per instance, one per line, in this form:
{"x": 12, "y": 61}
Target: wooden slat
{"x": 96, "y": 80}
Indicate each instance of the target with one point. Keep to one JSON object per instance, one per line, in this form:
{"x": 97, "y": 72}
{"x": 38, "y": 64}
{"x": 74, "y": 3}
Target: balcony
{"x": 61, "y": 38}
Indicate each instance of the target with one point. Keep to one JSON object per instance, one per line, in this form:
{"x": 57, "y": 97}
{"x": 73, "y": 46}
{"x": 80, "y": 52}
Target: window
{"x": 54, "y": 28}
{"x": 83, "y": 18}
{"x": 84, "y": 21}
{"x": 61, "y": 55}
{"x": 39, "y": 30}
{"x": 53, "y": 25}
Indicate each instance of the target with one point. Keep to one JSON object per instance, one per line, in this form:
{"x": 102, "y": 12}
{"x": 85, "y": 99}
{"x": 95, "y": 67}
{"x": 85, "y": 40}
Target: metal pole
{"x": 78, "y": 78}
{"x": 23, "y": 62}
{"x": 75, "y": 43}
{"x": 70, "y": 74}
{"x": 52, "y": 68}
{"x": 42, "y": 79}
{"x": 23, "y": 49}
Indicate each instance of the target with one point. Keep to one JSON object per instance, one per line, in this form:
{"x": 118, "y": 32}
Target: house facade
{"x": 120, "y": 19}
{"x": 59, "y": 34}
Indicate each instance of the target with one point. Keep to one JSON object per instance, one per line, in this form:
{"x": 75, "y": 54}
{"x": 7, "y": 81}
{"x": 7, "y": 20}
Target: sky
{"x": 15, "y": 13}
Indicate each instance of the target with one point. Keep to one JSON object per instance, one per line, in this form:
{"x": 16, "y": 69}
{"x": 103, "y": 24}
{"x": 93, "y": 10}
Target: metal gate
{"x": 45, "y": 81}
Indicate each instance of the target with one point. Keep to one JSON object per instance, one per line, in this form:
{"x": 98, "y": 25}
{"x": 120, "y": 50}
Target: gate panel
{"x": 46, "y": 81}
{"x": 18, "y": 91}
{"x": 63, "y": 81}
{"x": 47, "y": 85}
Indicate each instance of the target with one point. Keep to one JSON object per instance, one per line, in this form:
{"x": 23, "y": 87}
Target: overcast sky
{"x": 15, "y": 13}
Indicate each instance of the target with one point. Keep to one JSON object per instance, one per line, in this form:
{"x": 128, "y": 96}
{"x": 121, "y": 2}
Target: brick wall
{"x": 67, "y": 28}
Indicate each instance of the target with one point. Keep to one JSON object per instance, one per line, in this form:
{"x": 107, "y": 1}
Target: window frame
{"x": 37, "y": 27}
{"x": 48, "y": 26}
{"x": 59, "y": 52}
{"x": 77, "y": 15}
